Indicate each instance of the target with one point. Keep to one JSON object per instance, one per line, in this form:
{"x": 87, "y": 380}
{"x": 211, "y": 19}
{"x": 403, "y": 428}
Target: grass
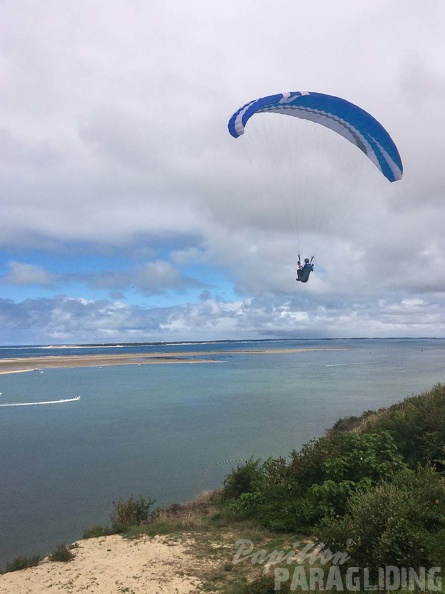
{"x": 22, "y": 562}
{"x": 63, "y": 553}
{"x": 97, "y": 530}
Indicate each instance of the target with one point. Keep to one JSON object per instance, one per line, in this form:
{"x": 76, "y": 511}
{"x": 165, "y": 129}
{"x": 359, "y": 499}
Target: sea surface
{"x": 168, "y": 431}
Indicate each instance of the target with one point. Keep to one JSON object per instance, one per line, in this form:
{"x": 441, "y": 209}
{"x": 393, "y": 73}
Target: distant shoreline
{"x": 19, "y": 365}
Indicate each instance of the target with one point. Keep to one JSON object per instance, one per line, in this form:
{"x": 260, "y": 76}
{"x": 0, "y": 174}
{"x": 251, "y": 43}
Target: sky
{"x": 128, "y": 213}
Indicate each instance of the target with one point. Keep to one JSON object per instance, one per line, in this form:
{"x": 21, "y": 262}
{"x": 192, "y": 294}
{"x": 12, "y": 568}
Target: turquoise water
{"x": 163, "y": 431}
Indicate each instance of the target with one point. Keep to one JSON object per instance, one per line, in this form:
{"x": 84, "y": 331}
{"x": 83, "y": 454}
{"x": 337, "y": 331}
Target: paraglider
{"x": 340, "y": 116}
{"x": 303, "y": 272}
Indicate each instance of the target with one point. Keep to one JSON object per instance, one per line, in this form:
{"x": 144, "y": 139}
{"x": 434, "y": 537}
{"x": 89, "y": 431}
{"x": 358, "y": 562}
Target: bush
{"x": 398, "y": 522}
{"x": 62, "y": 553}
{"x": 355, "y": 463}
{"x": 417, "y": 425}
{"x": 245, "y": 478}
{"x": 22, "y": 562}
{"x": 132, "y": 512}
{"x": 265, "y": 492}
{"x": 315, "y": 484}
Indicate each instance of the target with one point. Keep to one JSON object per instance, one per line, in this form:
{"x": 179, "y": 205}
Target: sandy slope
{"x": 112, "y": 565}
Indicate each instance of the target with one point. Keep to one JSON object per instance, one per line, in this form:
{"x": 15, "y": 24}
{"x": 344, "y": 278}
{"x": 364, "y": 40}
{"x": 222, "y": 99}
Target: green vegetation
{"x": 97, "y": 530}
{"x": 132, "y": 512}
{"x": 62, "y": 554}
{"x": 373, "y": 487}
{"x": 125, "y": 515}
{"x": 398, "y": 522}
{"x": 22, "y": 562}
{"x": 417, "y": 425}
{"x": 315, "y": 485}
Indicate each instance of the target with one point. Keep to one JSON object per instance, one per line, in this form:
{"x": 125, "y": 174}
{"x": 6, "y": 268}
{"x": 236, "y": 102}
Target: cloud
{"x": 152, "y": 278}
{"x": 26, "y": 274}
{"x": 119, "y": 176}
{"x": 64, "y": 319}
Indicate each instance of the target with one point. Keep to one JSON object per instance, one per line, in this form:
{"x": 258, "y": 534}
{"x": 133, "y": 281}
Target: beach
{"x": 112, "y": 565}
{"x": 18, "y": 365}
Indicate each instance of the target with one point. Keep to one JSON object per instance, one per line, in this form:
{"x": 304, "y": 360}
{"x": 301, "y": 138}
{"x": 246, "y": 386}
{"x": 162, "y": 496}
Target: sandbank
{"x": 17, "y": 365}
{"x": 112, "y": 565}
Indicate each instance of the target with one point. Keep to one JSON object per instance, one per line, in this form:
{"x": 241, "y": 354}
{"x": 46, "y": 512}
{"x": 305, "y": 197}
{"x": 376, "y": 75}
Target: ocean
{"x": 168, "y": 431}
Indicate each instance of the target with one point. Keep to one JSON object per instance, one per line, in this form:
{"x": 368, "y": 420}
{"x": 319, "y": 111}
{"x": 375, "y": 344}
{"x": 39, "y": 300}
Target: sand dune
{"x": 112, "y": 565}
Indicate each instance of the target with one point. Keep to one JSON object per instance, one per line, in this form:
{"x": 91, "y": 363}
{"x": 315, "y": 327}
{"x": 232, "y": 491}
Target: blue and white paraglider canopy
{"x": 341, "y": 116}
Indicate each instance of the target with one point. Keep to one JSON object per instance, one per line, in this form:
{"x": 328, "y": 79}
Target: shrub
{"x": 245, "y": 478}
{"x": 316, "y": 483}
{"x": 355, "y": 463}
{"x": 22, "y": 562}
{"x": 62, "y": 553}
{"x": 417, "y": 425}
{"x": 397, "y": 522}
{"x": 307, "y": 465}
{"x": 132, "y": 512}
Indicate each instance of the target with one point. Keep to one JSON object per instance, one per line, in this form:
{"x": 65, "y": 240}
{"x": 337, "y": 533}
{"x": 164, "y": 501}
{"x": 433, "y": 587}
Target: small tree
{"x": 245, "y": 478}
{"x": 132, "y": 512}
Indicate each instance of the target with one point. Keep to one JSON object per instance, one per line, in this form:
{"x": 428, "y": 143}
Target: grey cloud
{"x": 152, "y": 278}
{"x": 27, "y": 274}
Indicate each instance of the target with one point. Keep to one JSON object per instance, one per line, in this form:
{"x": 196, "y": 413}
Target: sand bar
{"x": 13, "y": 365}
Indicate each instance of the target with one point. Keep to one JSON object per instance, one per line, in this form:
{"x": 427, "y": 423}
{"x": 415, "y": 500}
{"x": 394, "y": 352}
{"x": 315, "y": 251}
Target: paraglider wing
{"x": 341, "y": 116}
